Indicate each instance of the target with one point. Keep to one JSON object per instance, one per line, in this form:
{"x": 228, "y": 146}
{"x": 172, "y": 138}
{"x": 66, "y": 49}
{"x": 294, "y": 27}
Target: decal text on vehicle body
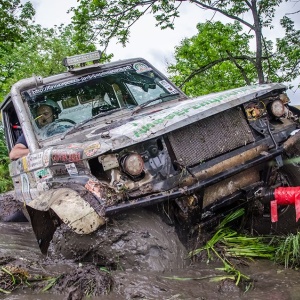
{"x": 61, "y": 156}
{"x": 220, "y": 98}
{"x": 78, "y": 80}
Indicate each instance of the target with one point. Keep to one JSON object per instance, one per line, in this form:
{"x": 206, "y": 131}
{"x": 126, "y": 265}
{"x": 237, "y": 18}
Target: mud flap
{"x": 43, "y": 227}
{"x": 69, "y": 207}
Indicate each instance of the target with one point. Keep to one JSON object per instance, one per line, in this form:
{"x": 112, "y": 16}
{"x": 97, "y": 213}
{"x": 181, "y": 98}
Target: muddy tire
{"x": 286, "y": 224}
{"x": 137, "y": 239}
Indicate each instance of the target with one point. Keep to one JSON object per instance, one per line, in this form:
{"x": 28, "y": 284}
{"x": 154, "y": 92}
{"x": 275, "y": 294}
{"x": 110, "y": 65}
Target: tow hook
{"x": 280, "y": 196}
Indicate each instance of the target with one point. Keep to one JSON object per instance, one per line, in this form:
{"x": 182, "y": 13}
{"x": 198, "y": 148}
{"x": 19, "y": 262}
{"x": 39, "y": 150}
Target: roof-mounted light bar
{"x": 81, "y": 59}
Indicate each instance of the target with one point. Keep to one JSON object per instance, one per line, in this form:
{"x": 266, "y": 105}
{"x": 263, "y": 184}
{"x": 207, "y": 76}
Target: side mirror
{"x": 145, "y": 87}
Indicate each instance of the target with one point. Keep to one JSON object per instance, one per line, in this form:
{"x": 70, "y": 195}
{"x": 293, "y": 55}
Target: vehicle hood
{"x": 180, "y": 114}
{"x": 145, "y": 125}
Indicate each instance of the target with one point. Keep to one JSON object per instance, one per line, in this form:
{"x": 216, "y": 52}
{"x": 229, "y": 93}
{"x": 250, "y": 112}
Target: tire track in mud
{"x": 17, "y": 240}
{"x": 87, "y": 276}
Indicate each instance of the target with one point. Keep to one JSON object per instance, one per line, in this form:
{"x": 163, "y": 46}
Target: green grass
{"x": 287, "y": 251}
{"x": 223, "y": 232}
{"x": 227, "y": 243}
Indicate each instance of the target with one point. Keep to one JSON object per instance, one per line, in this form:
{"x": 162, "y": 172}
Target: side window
{"x": 11, "y": 124}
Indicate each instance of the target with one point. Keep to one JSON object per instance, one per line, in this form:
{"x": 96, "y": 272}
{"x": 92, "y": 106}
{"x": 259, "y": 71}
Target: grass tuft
{"x": 287, "y": 252}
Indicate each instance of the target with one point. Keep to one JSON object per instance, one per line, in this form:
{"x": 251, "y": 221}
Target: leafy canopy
{"x": 114, "y": 18}
{"x": 211, "y": 62}
{"x": 14, "y": 19}
{"x": 40, "y": 54}
{"x": 107, "y": 19}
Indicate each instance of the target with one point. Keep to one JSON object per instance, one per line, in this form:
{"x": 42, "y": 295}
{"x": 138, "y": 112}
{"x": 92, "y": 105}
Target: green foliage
{"x": 114, "y": 18}
{"x": 288, "y": 52}
{"x": 52, "y": 281}
{"x": 288, "y": 251}
{"x": 223, "y": 231}
{"x": 12, "y": 277}
{"x": 34, "y": 49}
{"x": 227, "y": 243}
{"x": 40, "y": 54}
{"x": 101, "y": 21}
{"x": 211, "y": 62}
{"x": 14, "y": 19}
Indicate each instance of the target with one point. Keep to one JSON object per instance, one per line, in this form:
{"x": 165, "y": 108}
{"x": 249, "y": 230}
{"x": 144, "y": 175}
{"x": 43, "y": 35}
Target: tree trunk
{"x": 258, "y": 37}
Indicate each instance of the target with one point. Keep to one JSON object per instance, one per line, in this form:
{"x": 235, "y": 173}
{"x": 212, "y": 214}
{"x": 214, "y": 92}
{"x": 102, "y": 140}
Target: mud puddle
{"x": 17, "y": 240}
{"x": 75, "y": 280}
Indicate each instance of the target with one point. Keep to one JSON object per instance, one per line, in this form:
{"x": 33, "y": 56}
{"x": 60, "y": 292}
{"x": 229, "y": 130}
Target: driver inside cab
{"x": 46, "y": 113}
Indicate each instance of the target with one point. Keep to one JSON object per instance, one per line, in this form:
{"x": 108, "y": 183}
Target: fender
{"x": 71, "y": 208}
{"x": 61, "y": 205}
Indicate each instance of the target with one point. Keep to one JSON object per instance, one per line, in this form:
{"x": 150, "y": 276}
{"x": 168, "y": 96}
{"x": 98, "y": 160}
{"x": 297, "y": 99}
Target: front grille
{"x": 210, "y": 137}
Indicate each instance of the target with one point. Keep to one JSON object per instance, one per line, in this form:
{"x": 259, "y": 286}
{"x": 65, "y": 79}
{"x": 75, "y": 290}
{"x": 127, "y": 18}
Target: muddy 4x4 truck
{"x": 124, "y": 137}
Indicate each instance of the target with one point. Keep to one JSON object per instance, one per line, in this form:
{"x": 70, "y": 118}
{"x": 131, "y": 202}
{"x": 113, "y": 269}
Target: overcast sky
{"x": 147, "y": 40}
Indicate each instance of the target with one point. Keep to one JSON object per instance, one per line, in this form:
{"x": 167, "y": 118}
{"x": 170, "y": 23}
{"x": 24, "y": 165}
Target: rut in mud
{"x": 137, "y": 256}
{"x": 75, "y": 281}
{"x": 136, "y": 240}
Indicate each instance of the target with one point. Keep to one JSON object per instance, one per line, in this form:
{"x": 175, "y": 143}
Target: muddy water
{"x": 268, "y": 281}
{"x": 17, "y": 240}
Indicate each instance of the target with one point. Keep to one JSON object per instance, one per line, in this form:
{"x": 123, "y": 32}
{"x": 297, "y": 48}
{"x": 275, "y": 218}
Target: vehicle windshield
{"x": 57, "y": 107}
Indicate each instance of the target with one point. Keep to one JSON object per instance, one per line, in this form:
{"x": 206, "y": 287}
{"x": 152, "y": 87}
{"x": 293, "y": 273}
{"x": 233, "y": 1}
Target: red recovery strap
{"x": 274, "y": 211}
{"x": 285, "y": 196}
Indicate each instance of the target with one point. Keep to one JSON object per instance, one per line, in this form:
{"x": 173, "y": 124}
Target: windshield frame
{"x": 139, "y": 74}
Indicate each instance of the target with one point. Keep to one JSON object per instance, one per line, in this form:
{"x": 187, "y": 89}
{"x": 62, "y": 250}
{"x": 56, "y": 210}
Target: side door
{"x": 24, "y": 181}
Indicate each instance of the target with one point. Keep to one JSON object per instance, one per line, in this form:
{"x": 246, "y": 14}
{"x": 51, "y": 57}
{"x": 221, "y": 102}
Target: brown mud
{"x": 138, "y": 240}
{"x": 10, "y": 209}
{"x": 137, "y": 256}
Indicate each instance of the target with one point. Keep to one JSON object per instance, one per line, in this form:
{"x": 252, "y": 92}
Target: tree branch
{"x": 291, "y": 71}
{"x": 223, "y": 13}
{"x": 293, "y": 13}
{"x": 211, "y": 64}
{"x": 248, "y": 3}
{"x": 266, "y": 50}
{"x": 239, "y": 67}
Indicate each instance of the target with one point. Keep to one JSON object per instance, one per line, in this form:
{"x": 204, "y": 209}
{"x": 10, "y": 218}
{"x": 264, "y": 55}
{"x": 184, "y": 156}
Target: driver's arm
{"x": 19, "y": 150}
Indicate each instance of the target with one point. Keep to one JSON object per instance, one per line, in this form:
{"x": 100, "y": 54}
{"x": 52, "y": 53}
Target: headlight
{"x": 277, "y": 108}
{"x": 133, "y": 164}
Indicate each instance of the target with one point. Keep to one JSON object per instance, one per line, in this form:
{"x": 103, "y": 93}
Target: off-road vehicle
{"x": 123, "y": 137}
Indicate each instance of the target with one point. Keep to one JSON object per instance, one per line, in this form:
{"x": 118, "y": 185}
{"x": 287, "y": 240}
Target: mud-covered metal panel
{"x": 210, "y": 137}
{"x": 230, "y": 185}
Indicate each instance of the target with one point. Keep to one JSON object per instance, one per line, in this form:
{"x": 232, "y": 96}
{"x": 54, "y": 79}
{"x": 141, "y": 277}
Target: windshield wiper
{"x": 78, "y": 125}
{"x": 139, "y": 107}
